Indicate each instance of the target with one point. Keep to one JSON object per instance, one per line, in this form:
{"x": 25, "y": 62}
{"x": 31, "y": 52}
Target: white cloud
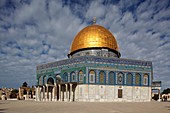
{"x": 96, "y": 9}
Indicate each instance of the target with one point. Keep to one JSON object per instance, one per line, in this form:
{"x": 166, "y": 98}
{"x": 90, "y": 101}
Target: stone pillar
{"x": 47, "y": 93}
{"x": 50, "y": 96}
{"x": 40, "y": 93}
{"x": 20, "y": 95}
{"x": 53, "y": 94}
{"x": 37, "y": 93}
{"x": 26, "y": 98}
{"x": 43, "y": 93}
{"x": 65, "y": 99}
{"x": 36, "y": 96}
{"x": 66, "y": 93}
{"x": 59, "y": 91}
{"x": 3, "y": 97}
{"x": 71, "y": 94}
{"x": 159, "y": 95}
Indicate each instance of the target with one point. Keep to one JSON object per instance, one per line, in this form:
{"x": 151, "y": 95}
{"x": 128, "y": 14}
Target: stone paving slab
{"x": 31, "y": 106}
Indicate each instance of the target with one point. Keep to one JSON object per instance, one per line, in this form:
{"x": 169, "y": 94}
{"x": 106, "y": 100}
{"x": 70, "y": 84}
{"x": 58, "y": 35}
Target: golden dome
{"x": 94, "y": 36}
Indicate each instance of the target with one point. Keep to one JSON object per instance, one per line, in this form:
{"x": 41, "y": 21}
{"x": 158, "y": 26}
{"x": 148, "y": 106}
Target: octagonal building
{"x": 94, "y": 72}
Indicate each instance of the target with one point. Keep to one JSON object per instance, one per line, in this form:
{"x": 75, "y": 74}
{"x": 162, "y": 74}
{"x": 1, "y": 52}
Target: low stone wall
{"x": 108, "y": 93}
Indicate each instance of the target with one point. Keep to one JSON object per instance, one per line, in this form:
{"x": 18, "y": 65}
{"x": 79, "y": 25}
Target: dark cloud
{"x": 40, "y": 31}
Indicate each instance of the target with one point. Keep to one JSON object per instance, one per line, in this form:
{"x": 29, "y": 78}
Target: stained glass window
{"x": 145, "y": 79}
{"x": 102, "y": 77}
{"x": 73, "y": 76}
{"x": 137, "y": 79}
{"x": 92, "y": 76}
{"x": 80, "y": 76}
{"x": 111, "y": 77}
{"x": 129, "y": 79}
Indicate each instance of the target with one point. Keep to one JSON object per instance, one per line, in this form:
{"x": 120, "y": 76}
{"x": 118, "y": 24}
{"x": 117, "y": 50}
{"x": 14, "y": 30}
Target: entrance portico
{"x": 56, "y": 92}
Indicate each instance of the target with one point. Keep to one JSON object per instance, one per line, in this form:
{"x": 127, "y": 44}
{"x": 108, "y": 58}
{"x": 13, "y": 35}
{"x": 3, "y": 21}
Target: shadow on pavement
{"x": 2, "y": 110}
{"x": 168, "y": 107}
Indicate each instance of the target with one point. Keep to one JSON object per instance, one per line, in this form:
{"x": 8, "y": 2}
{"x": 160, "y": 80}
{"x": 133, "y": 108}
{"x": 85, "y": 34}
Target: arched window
{"x": 102, "y": 77}
{"x": 50, "y": 81}
{"x": 73, "y": 77}
{"x": 92, "y": 76}
{"x": 111, "y": 77}
{"x": 145, "y": 79}
{"x": 137, "y": 79}
{"x": 120, "y": 78}
{"x": 80, "y": 76}
{"x": 129, "y": 79}
{"x": 65, "y": 77}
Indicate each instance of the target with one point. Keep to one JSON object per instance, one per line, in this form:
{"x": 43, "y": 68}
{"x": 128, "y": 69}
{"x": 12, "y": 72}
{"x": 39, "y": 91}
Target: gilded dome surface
{"x": 94, "y": 36}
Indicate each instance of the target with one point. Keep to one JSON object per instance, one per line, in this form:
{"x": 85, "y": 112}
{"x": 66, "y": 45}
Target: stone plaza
{"x": 30, "y": 106}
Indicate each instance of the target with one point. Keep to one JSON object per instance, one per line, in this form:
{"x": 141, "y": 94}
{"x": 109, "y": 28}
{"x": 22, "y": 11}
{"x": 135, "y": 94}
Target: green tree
{"x": 155, "y": 97}
{"x": 14, "y": 93}
{"x": 24, "y": 84}
{"x": 166, "y": 91}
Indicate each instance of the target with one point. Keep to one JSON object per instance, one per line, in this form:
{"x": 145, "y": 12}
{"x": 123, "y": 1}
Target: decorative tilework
{"x": 95, "y": 59}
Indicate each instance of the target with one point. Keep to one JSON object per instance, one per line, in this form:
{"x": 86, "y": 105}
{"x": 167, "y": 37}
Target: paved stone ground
{"x": 21, "y": 106}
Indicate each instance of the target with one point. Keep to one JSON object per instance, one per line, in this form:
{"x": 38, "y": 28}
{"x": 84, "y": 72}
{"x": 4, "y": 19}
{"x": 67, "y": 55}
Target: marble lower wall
{"x": 108, "y": 93}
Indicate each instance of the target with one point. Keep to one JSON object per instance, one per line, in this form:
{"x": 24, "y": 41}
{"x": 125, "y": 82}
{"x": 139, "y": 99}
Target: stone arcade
{"x": 94, "y": 71}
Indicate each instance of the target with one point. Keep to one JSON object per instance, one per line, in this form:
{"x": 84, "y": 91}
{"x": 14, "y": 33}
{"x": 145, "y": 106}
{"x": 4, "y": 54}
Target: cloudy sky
{"x": 33, "y": 32}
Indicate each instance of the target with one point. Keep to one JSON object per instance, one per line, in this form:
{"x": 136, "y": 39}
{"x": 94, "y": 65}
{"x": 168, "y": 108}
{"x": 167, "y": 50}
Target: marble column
{"x": 40, "y": 89}
{"x": 38, "y": 93}
{"x": 20, "y": 96}
{"x": 47, "y": 93}
{"x": 50, "y": 96}
{"x": 66, "y": 96}
{"x": 63, "y": 96}
{"x": 159, "y": 95}
{"x": 28, "y": 95}
{"x": 59, "y": 91}
{"x": 43, "y": 93}
{"x": 71, "y": 94}
{"x": 53, "y": 94}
